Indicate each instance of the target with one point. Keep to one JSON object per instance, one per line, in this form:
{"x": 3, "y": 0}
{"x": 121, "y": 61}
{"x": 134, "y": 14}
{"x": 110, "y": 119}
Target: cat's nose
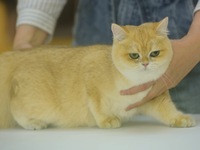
{"x": 145, "y": 64}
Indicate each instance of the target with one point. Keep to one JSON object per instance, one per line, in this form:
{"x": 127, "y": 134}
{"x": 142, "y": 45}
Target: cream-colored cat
{"x": 70, "y": 87}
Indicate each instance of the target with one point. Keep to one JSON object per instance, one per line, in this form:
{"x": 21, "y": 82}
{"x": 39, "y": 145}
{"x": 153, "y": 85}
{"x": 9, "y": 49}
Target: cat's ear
{"x": 162, "y": 27}
{"x": 118, "y": 32}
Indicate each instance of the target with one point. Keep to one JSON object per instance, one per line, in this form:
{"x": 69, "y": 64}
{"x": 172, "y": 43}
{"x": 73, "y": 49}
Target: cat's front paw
{"x": 111, "y": 122}
{"x": 182, "y": 121}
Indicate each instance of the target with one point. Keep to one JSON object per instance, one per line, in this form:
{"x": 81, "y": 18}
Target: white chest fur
{"x": 119, "y": 102}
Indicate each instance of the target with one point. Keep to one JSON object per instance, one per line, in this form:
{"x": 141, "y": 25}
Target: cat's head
{"x": 142, "y": 51}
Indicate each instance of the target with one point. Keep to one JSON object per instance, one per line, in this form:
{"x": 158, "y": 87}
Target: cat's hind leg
{"x": 163, "y": 109}
{"x": 31, "y": 105}
{"x": 23, "y": 113}
{"x": 31, "y": 124}
{"x": 25, "y": 118}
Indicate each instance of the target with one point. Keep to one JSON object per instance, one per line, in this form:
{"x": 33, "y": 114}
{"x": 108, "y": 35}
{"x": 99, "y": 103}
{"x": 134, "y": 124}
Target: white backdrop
{"x": 141, "y": 134}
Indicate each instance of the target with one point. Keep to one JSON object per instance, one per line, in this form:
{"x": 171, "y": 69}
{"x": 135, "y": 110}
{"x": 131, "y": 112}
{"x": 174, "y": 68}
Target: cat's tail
{"x": 6, "y": 119}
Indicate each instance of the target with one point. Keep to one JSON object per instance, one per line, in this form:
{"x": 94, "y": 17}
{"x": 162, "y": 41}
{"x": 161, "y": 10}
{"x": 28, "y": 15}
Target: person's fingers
{"x": 137, "y": 104}
{"x": 157, "y": 89}
{"x": 137, "y": 89}
{"x": 146, "y": 99}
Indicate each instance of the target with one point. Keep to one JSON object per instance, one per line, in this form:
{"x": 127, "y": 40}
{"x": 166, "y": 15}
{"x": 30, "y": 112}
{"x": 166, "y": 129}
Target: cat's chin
{"x": 142, "y": 76}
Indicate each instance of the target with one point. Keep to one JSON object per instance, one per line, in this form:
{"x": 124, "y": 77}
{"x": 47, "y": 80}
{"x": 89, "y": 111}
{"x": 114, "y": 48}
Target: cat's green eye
{"x": 134, "y": 55}
{"x": 154, "y": 53}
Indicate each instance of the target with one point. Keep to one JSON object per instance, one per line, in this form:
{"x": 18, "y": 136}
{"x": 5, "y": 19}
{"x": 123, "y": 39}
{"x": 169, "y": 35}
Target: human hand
{"x": 28, "y": 36}
{"x": 182, "y": 63}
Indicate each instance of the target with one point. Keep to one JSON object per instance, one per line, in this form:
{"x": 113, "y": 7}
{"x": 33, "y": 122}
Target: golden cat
{"x": 71, "y": 87}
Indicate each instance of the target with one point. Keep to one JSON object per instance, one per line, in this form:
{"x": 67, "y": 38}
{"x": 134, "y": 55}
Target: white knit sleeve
{"x": 40, "y": 13}
{"x": 197, "y": 6}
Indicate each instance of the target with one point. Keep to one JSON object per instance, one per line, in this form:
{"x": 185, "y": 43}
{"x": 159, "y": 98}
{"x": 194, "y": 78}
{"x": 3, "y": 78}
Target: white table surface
{"x": 142, "y": 134}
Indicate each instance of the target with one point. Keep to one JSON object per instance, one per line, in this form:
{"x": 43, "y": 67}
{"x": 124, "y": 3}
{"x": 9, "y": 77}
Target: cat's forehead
{"x": 147, "y": 29}
{"x": 141, "y": 36}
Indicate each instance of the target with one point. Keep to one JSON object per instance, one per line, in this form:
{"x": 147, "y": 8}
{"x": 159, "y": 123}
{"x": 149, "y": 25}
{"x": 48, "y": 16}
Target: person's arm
{"x": 36, "y": 21}
{"x": 186, "y": 56}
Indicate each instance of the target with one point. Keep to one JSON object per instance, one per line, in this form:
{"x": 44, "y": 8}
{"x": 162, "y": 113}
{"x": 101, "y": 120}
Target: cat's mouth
{"x": 145, "y": 68}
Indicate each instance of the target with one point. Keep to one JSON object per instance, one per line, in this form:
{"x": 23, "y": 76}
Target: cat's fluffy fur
{"x": 70, "y": 87}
